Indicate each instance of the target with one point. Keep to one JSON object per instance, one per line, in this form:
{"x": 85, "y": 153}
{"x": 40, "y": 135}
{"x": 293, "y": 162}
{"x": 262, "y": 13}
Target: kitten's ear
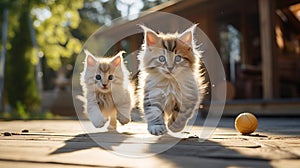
{"x": 118, "y": 59}
{"x": 90, "y": 59}
{"x": 188, "y": 35}
{"x": 150, "y": 36}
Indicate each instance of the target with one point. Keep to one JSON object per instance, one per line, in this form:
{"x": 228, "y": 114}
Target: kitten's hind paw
{"x": 111, "y": 129}
{"x": 157, "y": 129}
{"x": 176, "y": 127}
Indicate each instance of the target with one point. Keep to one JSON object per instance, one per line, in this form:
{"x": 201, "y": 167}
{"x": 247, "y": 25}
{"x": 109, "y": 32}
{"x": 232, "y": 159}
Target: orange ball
{"x": 246, "y": 123}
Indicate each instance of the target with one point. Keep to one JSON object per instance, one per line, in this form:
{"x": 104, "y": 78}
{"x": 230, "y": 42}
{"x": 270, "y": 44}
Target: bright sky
{"x": 42, "y": 14}
{"x": 134, "y": 6}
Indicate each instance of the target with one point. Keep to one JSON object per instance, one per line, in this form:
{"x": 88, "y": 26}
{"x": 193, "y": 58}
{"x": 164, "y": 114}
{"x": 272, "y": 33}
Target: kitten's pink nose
{"x": 104, "y": 85}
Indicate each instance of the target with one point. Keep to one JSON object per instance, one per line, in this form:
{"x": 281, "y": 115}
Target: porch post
{"x": 269, "y": 50}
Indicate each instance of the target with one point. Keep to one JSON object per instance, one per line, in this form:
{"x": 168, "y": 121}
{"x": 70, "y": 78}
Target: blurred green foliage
{"x": 52, "y": 22}
{"x": 20, "y": 72}
{"x": 60, "y": 27}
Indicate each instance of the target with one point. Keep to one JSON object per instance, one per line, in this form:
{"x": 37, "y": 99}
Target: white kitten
{"x": 107, "y": 90}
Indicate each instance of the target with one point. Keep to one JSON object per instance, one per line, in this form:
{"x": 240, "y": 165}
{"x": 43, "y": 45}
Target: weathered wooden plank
{"x": 63, "y": 147}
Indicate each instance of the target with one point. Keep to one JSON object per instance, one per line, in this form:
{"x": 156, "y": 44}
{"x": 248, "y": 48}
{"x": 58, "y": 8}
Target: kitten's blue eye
{"x": 162, "y": 58}
{"x": 98, "y": 77}
{"x": 110, "y": 77}
{"x": 177, "y": 58}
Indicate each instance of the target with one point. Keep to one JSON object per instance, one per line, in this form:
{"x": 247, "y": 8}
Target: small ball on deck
{"x": 246, "y": 123}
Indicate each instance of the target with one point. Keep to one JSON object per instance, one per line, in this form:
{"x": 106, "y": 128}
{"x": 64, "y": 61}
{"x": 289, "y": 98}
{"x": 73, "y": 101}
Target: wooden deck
{"x": 64, "y": 143}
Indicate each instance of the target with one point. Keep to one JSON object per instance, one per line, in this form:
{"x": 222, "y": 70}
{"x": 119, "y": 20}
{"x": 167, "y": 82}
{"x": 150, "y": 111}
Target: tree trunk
{"x": 3, "y": 54}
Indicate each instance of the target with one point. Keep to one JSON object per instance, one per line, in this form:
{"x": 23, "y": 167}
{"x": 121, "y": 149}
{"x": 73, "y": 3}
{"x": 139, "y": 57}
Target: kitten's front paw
{"x": 157, "y": 129}
{"x": 123, "y": 120}
{"x": 100, "y": 124}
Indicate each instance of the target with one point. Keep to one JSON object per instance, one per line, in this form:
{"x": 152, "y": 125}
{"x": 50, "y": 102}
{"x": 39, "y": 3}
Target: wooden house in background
{"x": 263, "y": 74}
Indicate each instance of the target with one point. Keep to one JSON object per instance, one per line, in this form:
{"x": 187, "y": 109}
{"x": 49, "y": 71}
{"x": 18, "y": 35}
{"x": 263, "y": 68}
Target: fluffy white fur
{"x": 109, "y": 97}
{"x": 169, "y": 79}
